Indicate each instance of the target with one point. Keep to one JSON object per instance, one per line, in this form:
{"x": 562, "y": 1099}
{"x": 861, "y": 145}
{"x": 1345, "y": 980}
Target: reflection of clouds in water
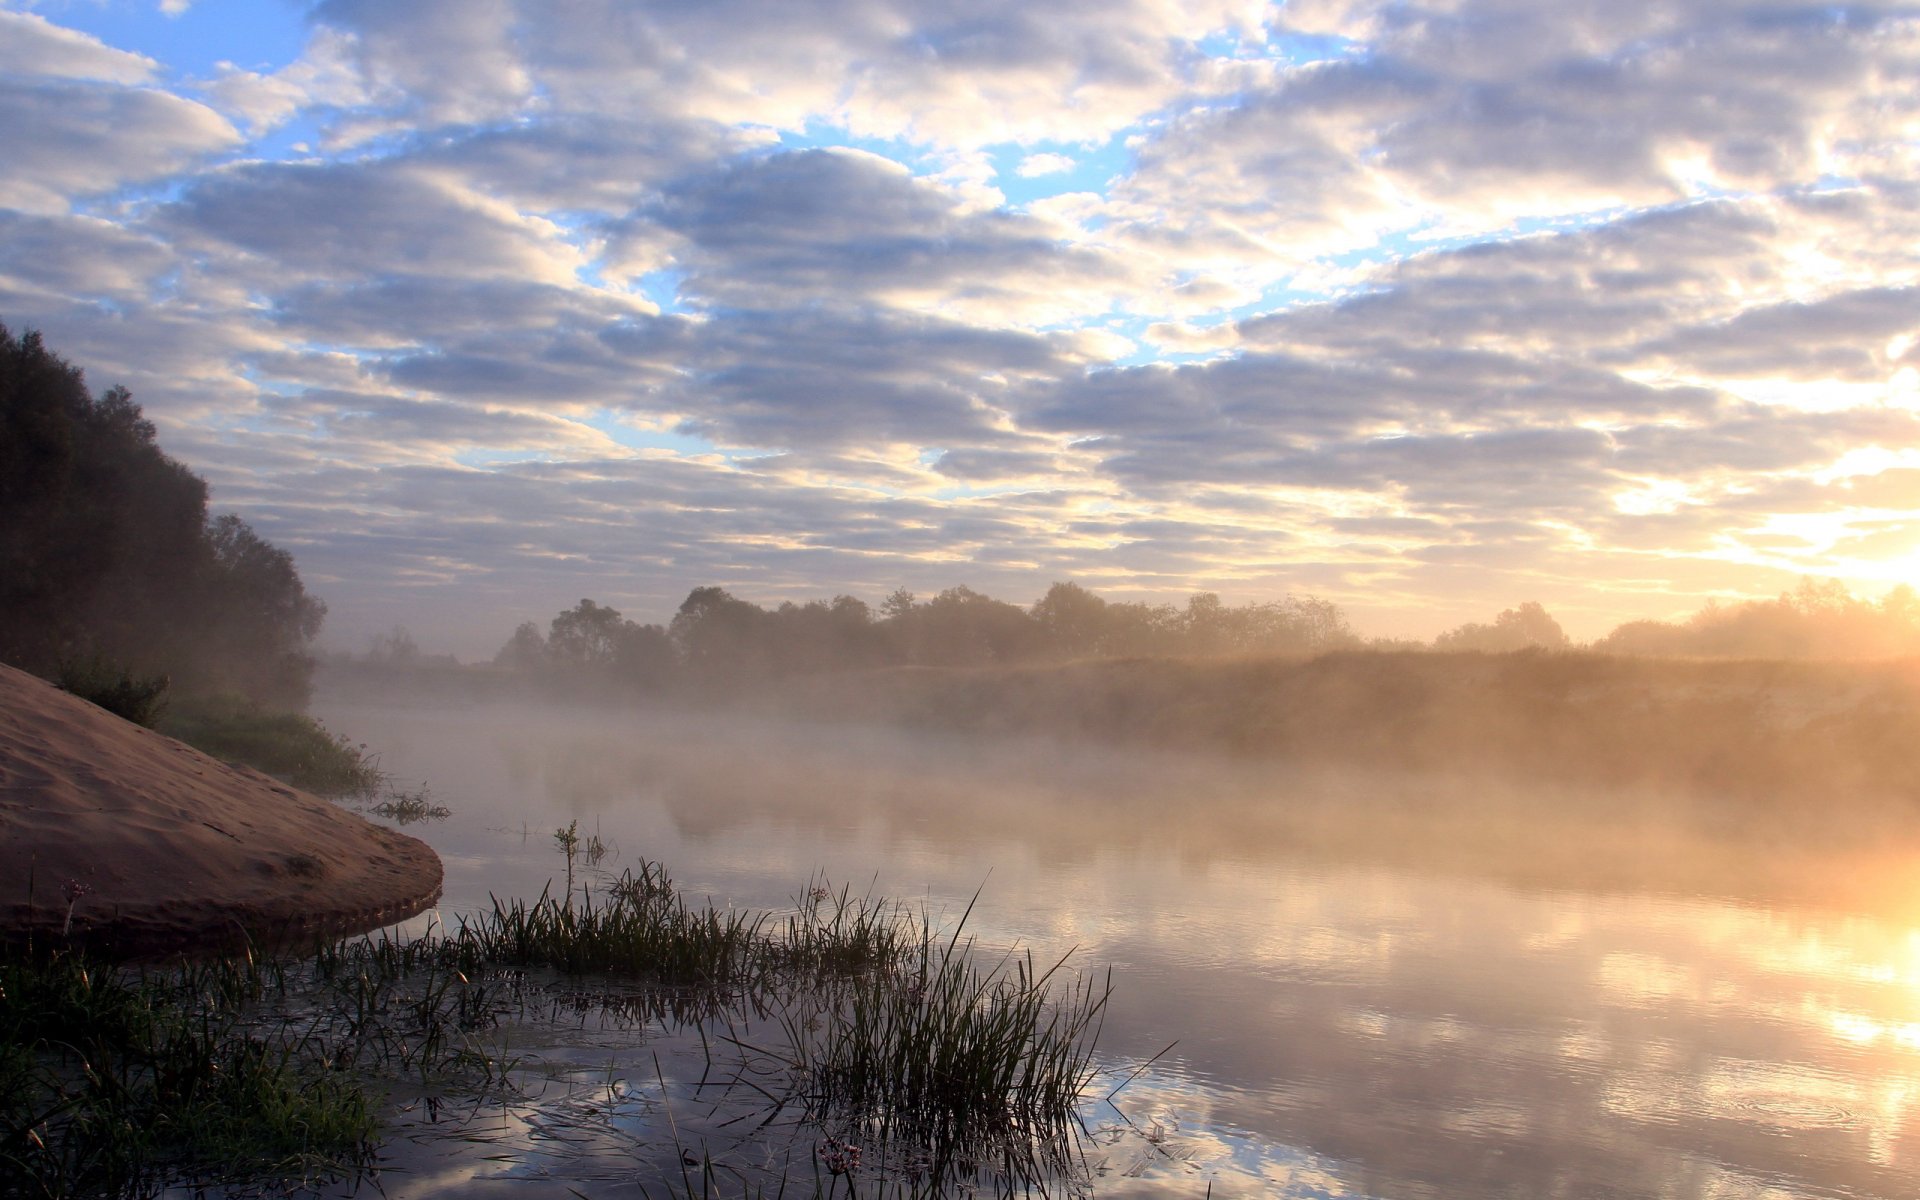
{"x": 1642, "y": 979}
{"x": 1352, "y": 1018}
{"x": 1166, "y": 1127}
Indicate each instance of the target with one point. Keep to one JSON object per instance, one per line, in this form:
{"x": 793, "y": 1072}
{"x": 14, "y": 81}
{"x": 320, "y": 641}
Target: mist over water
{"x": 1377, "y": 985}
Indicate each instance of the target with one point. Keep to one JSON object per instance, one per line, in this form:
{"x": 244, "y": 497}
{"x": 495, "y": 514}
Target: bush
{"x": 290, "y": 746}
{"x": 113, "y": 687}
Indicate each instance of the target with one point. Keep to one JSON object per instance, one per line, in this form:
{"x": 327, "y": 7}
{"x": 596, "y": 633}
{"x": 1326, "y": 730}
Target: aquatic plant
{"x": 946, "y": 1046}
{"x": 910, "y": 1059}
{"x": 409, "y": 807}
{"x": 639, "y": 929}
{"x": 568, "y": 839}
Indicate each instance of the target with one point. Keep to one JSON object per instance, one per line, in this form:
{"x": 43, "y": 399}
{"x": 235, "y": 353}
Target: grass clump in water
{"x": 120, "y": 1083}
{"x": 407, "y": 808}
{"x": 942, "y": 1048}
{"x": 639, "y": 928}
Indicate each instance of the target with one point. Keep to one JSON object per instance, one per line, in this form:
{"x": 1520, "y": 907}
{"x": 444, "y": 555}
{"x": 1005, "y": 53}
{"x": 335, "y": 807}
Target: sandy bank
{"x": 168, "y": 849}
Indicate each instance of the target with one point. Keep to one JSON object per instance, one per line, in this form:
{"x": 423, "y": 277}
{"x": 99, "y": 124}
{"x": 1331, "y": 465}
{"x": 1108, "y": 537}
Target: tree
{"x": 107, "y": 553}
{"x": 722, "y": 640}
{"x": 1073, "y": 619}
{"x": 585, "y": 636}
{"x": 899, "y": 603}
{"x": 264, "y": 617}
{"x": 526, "y": 650}
{"x": 1520, "y": 628}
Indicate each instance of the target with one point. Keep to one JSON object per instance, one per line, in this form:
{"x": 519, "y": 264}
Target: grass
{"x": 950, "y": 1045}
{"x": 121, "y": 1082}
{"x": 290, "y": 746}
{"x": 408, "y": 808}
{"x": 111, "y": 1083}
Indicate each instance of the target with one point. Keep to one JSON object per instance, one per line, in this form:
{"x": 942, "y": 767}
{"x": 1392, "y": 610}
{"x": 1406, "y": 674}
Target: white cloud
{"x": 30, "y": 46}
{"x": 1033, "y": 166}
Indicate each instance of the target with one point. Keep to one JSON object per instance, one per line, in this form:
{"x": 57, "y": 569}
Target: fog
{"x": 1380, "y": 982}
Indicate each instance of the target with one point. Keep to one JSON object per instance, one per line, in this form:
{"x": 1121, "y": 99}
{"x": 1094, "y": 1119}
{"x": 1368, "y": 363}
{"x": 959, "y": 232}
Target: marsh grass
{"x": 112, "y": 1082}
{"x": 407, "y": 808}
{"x": 117, "y": 1081}
{"x": 950, "y": 1045}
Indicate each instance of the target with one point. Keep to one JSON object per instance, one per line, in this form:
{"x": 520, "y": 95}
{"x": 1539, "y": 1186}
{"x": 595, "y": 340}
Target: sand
{"x": 170, "y": 851}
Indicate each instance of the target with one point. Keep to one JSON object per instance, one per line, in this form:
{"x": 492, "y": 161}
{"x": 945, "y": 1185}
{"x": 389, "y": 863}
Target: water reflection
{"x": 1379, "y": 987}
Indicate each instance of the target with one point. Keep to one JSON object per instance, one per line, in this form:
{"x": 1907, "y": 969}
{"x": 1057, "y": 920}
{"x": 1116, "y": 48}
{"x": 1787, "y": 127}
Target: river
{"x": 1371, "y": 987}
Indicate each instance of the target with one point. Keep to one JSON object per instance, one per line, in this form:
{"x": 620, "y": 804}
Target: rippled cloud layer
{"x": 481, "y": 306}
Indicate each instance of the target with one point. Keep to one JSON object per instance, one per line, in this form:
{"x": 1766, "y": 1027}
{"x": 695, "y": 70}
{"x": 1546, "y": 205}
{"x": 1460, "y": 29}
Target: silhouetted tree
{"x": 263, "y": 618}
{"x": 1817, "y": 619}
{"x": 1072, "y": 620}
{"x": 525, "y": 650}
{"x": 722, "y": 640}
{"x": 106, "y": 551}
{"x": 1521, "y": 628}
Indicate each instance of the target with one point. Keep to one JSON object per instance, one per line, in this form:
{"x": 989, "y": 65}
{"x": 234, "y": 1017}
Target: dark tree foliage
{"x": 107, "y": 554}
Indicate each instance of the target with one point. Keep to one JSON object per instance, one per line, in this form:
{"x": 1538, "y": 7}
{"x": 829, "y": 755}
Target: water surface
{"x": 1374, "y": 987}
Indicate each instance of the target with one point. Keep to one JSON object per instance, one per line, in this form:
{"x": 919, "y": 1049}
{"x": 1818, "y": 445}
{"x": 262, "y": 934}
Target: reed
{"x": 117, "y": 1081}
{"x": 638, "y": 929}
{"x": 951, "y": 1046}
{"x": 407, "y": 808}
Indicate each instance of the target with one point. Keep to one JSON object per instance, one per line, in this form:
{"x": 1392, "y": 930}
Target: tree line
{"x": 110, "y": 563}
{"x": 718, "y": 641}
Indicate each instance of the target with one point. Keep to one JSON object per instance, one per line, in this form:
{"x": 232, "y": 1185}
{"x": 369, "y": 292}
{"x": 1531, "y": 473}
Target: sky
{"x": 480, "y": 307}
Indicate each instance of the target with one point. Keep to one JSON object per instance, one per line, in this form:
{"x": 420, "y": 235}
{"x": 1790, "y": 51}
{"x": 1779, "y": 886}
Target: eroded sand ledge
{"x": 177, "y": 851}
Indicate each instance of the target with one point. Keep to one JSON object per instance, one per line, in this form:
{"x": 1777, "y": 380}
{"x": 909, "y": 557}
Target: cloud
{"x": 370, "y": 219}
{"x": 1002, "y": 71}
{"x": 837, "y": 226}
{"x": 1033, "y": 166}
{"x": 65, "y": 139}
{"x": 596, "y": 298}
{"x": 1466, "y": 117}
{"x": 69, "y": 255}
{"x": 33, "y": 47}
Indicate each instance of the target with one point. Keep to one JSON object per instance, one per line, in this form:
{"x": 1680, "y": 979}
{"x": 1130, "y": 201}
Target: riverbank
{"x": 130, "y": 844}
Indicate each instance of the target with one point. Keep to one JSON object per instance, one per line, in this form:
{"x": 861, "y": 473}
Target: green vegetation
{"x": 408, "y": 808}
{"x": 289, "y": 746}
{"x": 718, "y": 642}
{"x": 642, "y": 928}
{"x": 119, "y": 691}
{"x": 120, "y": 1082}
{"x": 108, "y": 555}
{"x": 111, "y": 1083}
{"x": 1780, "y": 732}
{"x": 945, "y": 1050}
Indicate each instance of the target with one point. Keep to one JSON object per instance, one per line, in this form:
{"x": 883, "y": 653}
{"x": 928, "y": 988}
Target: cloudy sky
{"x": 482, "y": 306}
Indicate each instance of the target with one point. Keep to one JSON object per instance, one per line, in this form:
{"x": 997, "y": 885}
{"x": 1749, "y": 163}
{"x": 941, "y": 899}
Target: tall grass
{"x": 115, "y": 1081}
{"x": 659, "y": 938}
{"x": 951, "y": 1044}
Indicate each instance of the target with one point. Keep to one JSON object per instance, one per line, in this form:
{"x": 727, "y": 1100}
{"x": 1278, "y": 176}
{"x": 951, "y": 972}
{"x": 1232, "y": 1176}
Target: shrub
{"x": 115, "y": 688}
